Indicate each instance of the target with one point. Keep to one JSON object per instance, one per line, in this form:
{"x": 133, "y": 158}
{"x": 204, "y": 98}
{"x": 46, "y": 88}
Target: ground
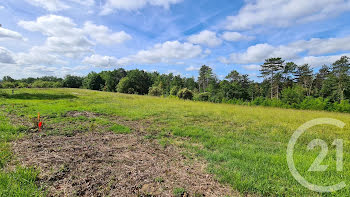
{"x": 103, "y": 143}
{"x": 103, "y": 163}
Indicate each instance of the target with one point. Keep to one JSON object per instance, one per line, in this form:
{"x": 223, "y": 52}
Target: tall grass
{"x": 244, "y": 146}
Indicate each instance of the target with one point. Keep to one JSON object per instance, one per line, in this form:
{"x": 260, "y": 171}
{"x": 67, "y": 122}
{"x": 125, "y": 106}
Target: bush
{"x": 174, "y": 90}
{"x": 185, "y": 94}
{"x": 315, "y": 103}
{"x": 8, "y": 85}
{"x": 71, "y": 81}
{"x": 203, "y": 96}
{"x": 343, "y": 106}
{"x": 293, "y": 96}
{"x": 155, "y": 91}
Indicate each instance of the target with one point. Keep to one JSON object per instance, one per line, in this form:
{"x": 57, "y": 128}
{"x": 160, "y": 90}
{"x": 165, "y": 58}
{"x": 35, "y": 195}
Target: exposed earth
{"x": 107, "y": 164}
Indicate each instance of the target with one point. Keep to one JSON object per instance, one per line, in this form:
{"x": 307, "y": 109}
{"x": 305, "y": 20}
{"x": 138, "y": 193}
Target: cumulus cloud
{"x": 316, "y": 61}
{"x": 283, "y": 13}
{"x": 104, "y": 35}
{"x": 235, "y": 36}
{"x": 163, "y": 53}
{"x": 100, "y": 61}
{"x": 130, "y": 5}
{"x": 36, "y": 56}
{"x": 192, "y": 68}
{"x": 65, "y": 38}
{"x": 6, "y": 56}
{"x": 260, "y": 52}
{"x": 6, "y": 33}
{"x": 205, "y": 37}
{"x": 58, "y": 26}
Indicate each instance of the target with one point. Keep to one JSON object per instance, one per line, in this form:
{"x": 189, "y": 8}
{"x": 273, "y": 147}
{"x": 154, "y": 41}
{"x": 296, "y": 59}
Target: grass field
{"x": 243, "y": 146}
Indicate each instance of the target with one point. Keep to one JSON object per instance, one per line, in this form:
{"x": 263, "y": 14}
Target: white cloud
{"x": 104, "y": 35}
{"x": 130, "y": 5}
{"x": 252, "y": 67}
{"x": 163, "y": 53}
{"x": 6, "y": 56}
{"x": 58, "y": 5}
{"x": 260, "y": 52}
{"x": 192, "y": 68}
{"x": 314, "y": 61}
{"x": 284, "y": 13}
{"x": 64, "y": 38}
{"x": 318, "y": 46}
{"x": 6, "y": 33}
{"x": 235, "y": 36}
{"x": 50, "y": 5}
{"x": 2, "y": 7}
{"x": 205, "y": 37}
{"x": 100, "y": 61}
{"x": 52, "y": 25}
{"x": 36, "y": 56}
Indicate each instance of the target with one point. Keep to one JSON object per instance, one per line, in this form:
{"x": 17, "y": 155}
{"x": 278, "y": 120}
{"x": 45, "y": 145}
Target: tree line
{"x": 284, "y": 84}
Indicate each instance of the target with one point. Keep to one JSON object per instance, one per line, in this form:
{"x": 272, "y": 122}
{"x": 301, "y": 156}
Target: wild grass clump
{"x": 120, "y": 129}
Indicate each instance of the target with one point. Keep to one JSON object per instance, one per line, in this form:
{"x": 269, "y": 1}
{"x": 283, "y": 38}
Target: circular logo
{"x": 290, "y": 150}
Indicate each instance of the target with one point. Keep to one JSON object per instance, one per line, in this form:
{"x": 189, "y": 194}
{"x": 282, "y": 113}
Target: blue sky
{"x": 60, "y": 37}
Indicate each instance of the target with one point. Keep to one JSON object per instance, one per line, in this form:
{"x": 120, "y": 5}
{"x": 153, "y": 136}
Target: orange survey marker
{"x": 40, "y": 124}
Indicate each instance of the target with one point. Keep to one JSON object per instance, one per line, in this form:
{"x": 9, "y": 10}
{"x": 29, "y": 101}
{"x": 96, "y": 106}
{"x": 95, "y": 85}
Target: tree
{"x": 136, "y": 80}
{"x": 94, "y": 81}
{"x": 340, "y": 69}
{"x": 293, "y": 96}
{"x": 8, "y": 79}
{"x": 268, "y": 71}
{"x": 112, "y": 79}
{"x": 71, "y": 81}
{"x": 304, "y": 77}
{"x": 319, "y": 80}
{"x": 234, "y": 76}
{"x": 288, "y": 72}
{"x": 205, "y": 76}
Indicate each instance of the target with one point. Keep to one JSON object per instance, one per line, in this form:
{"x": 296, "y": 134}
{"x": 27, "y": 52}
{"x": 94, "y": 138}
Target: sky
{"x": 60, "y": 37}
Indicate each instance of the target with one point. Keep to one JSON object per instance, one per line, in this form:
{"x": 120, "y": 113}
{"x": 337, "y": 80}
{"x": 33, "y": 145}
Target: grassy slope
{"x": 245, "y": 146}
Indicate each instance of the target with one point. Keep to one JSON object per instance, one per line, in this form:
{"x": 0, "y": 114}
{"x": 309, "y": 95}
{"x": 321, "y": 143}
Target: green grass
{"x": 244, "y": 146}
{"x": 119, "y": 129}
{"x": 21, "y": 181}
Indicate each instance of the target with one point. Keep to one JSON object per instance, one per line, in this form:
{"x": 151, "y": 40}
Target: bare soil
{"x": 108, "y": 164}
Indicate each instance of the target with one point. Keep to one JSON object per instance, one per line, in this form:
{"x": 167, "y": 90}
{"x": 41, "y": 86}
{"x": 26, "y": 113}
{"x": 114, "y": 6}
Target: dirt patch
{"x": 100, "y": 164}
{"x": 81, "y": 113}
{"x": 107, "y": 164}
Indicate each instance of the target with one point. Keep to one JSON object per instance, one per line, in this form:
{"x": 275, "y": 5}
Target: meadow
{"x": 244, "y": 146}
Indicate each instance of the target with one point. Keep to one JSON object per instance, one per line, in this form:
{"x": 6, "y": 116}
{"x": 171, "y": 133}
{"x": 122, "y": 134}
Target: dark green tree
{"x": 268, "y": 71}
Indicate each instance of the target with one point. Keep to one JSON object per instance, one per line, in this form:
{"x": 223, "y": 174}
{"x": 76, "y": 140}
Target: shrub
{"x": 343, "y": 106}
{"x": 174, "y": 90}
{"x": 155, "y": 91}
{"x": 203, "y": 96}
{"x": 8, "y": 85}
{"x": 292, "y": 96}
{"x": 314, "y": 103}
{"x": 185, "y": 94}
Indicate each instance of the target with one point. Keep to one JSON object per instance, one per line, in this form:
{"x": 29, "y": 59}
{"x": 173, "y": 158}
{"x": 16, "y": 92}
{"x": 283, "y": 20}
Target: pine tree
{"x": 341, "y": 70}
{"x": 268, "y": 71}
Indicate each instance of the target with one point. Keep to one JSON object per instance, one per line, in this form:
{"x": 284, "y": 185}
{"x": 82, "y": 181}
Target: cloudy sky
{"x": 60, "y": 37}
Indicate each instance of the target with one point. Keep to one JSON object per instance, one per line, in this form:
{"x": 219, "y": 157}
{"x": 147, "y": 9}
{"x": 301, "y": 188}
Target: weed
{"x": 179, "y": 191}
{"x": 119, "y": 129}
